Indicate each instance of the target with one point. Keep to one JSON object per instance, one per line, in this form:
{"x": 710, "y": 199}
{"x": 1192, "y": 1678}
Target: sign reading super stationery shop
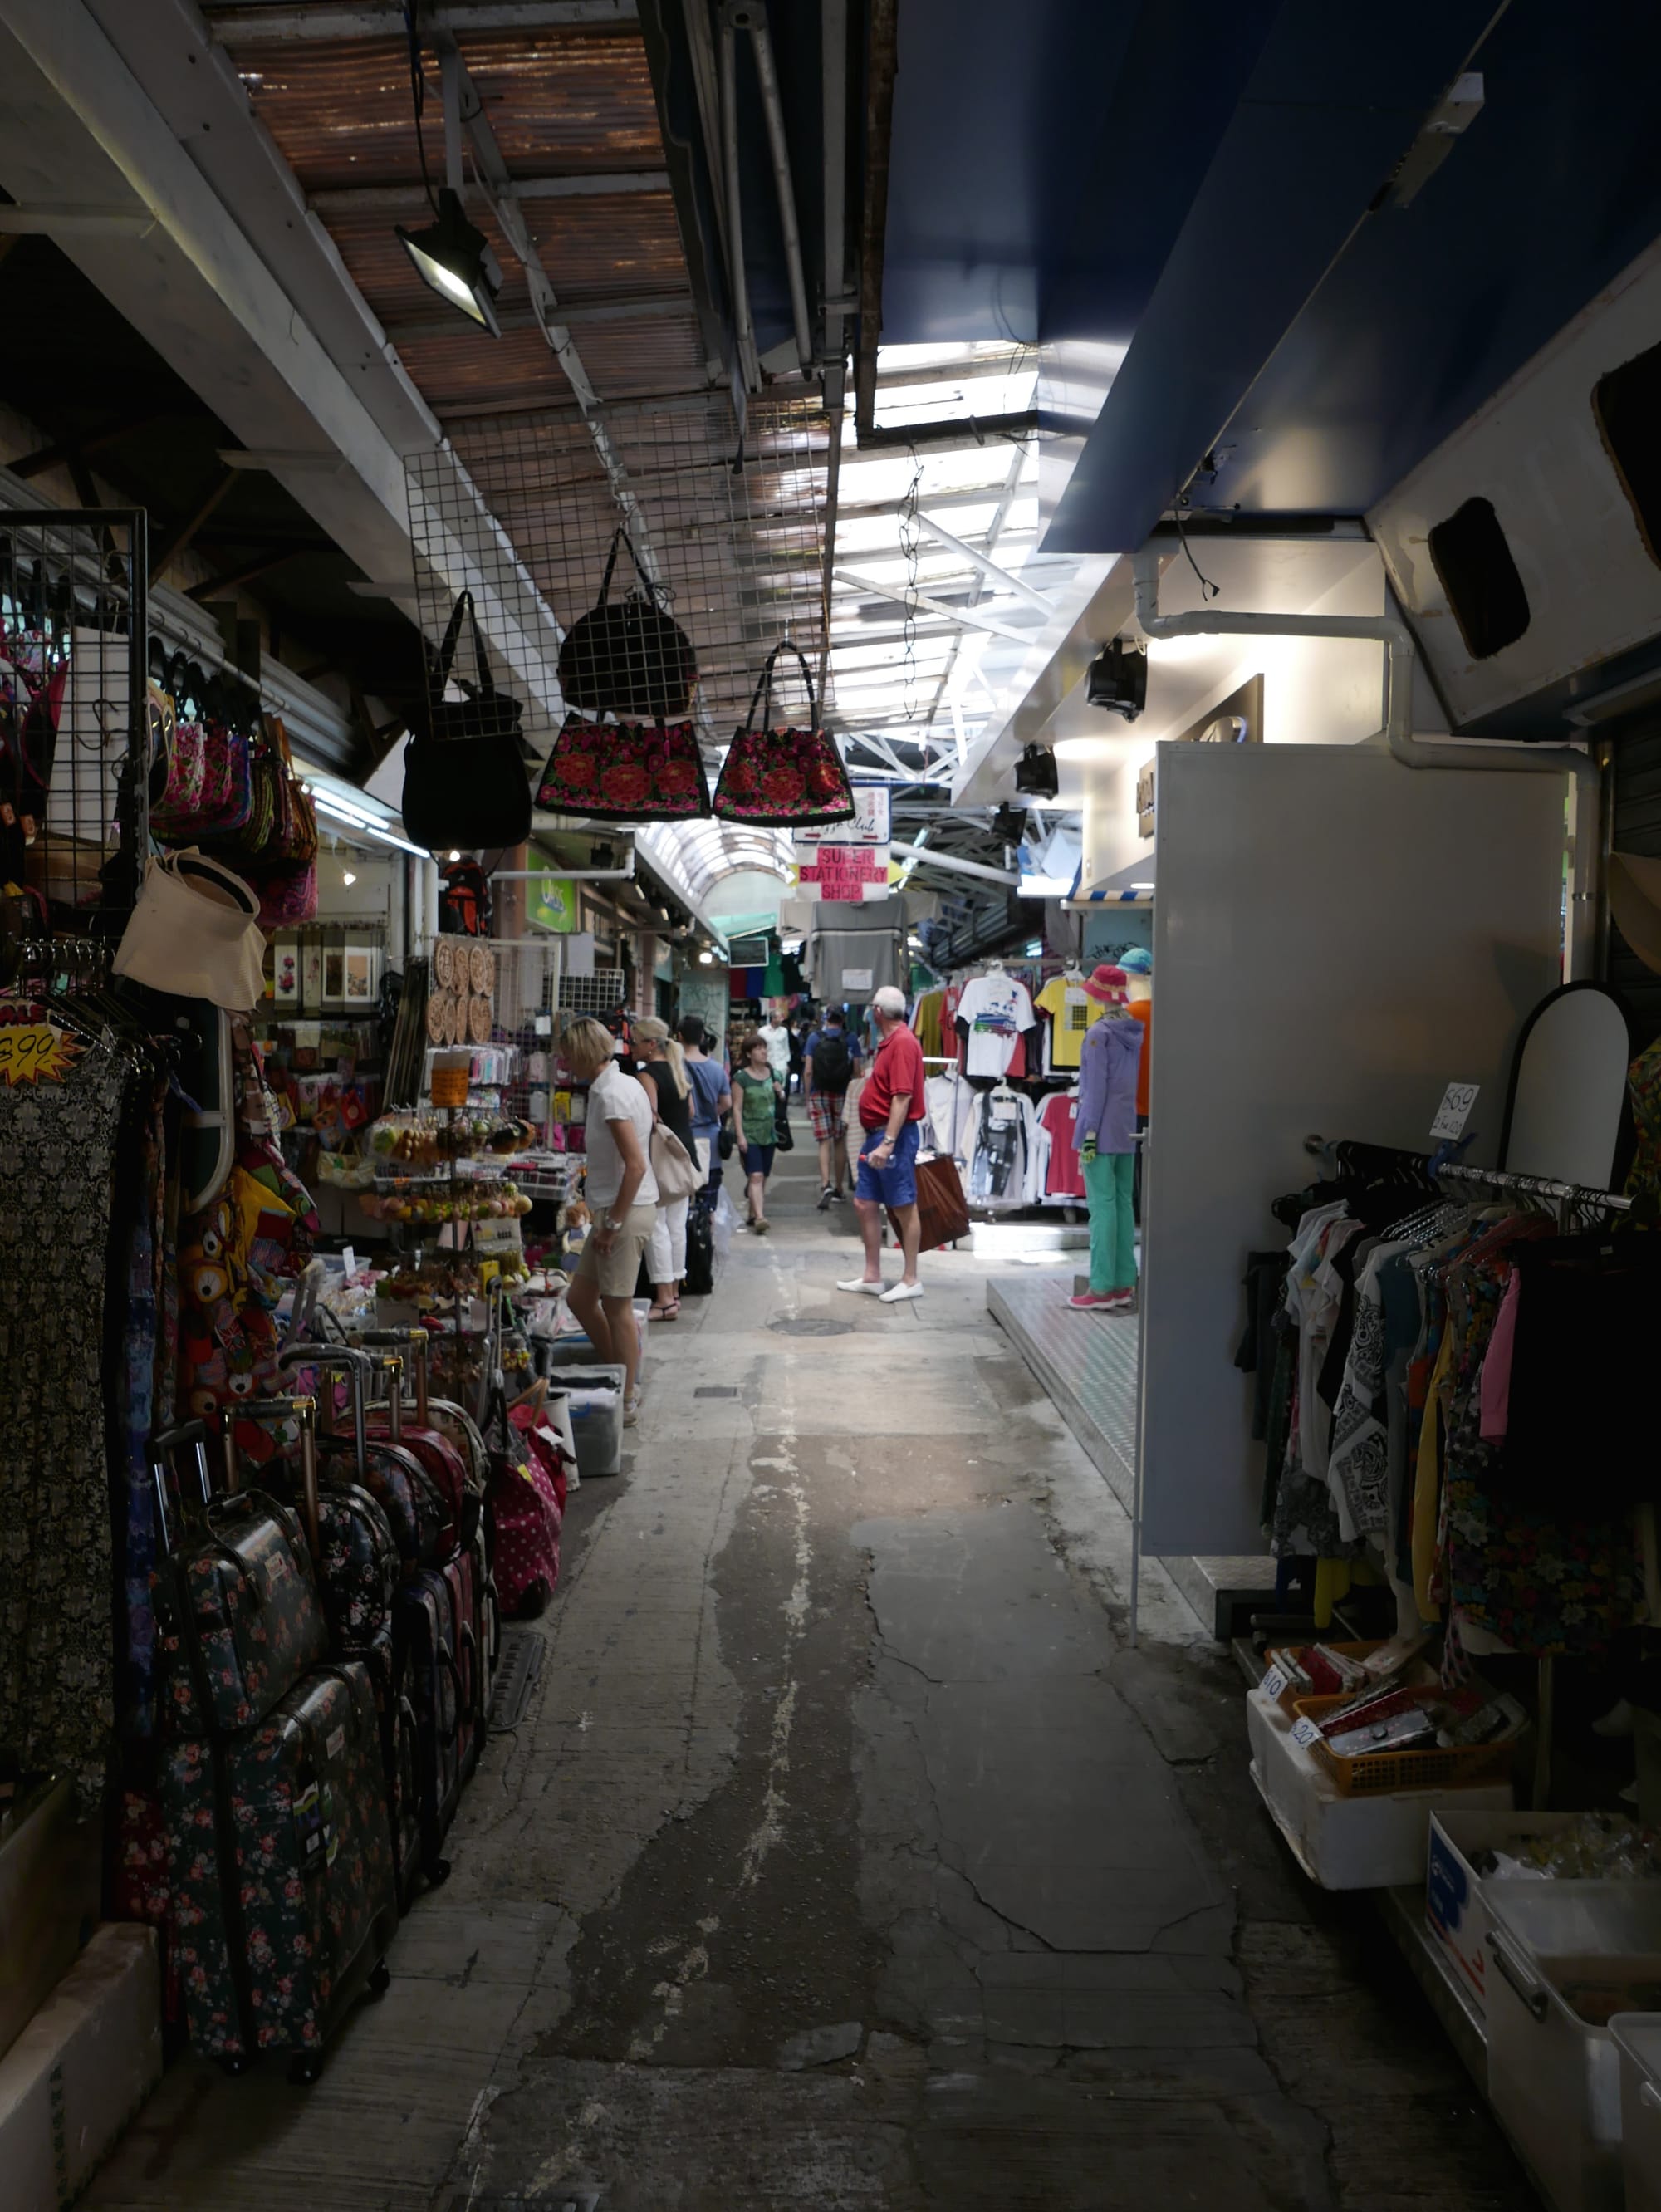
{"x": 850, "y": 860}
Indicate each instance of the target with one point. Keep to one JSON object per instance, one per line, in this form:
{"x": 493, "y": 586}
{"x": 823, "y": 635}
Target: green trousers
{"x": 1109, "y": 1183}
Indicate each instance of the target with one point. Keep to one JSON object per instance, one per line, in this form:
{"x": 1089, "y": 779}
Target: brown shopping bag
{"x": 942, "y": 1214}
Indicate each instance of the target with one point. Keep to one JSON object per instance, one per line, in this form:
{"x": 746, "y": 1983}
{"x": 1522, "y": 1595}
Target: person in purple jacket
{"x": 1106, "y": 1131}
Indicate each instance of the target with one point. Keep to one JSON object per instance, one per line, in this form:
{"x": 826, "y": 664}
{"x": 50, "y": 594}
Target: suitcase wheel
{"x": 304, "y": 2070}
{"x": 436, "y": 1870}
{"x": 379, "y": 1981}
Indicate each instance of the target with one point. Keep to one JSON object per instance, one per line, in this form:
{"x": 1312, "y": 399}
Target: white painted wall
{"x": 1337, "y": 937}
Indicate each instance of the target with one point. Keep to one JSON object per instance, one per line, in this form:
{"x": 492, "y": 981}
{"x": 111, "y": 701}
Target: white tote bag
{"x": 673, "y": 1165}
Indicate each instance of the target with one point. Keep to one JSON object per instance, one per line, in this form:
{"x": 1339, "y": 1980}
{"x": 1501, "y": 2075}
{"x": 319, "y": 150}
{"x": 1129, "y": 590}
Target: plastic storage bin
{"x": 1348, "y": 1843}
{"x": 1637, "y": 2039}
{"x": 1456, "y": 1895}
{"x": 594, "y": 1404}
{"x": 1566, "y": 1957}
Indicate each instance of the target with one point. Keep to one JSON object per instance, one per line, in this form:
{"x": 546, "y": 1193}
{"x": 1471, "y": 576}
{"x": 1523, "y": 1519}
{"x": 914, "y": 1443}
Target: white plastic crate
{"x": 1637, "y": 2039}
{"x": 1348, "y": 1843}
{"x": 1554, "y": 2074}
{"x": 1455, "y": 1902}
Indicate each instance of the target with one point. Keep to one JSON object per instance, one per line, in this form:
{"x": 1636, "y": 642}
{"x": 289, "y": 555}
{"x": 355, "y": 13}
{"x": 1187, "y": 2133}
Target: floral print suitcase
{"x": 283, "y": 1889}
{"x": 238, "y": 1601}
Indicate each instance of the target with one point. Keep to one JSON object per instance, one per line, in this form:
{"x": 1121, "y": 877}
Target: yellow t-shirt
{"x": 1071, "y": 1011}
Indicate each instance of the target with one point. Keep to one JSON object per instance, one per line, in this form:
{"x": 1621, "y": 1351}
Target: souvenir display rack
{"x": 74, "y": 594}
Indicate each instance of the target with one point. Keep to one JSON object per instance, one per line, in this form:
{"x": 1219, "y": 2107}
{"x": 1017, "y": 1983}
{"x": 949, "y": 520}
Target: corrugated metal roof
{"x": 623, "y": 245}
{"x": 455, "y": 372}
{"x": 556, "y": 102}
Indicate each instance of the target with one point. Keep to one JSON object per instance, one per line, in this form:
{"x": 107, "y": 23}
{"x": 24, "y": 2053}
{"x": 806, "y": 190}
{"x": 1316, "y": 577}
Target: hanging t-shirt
{"x": 1066, "y": 1177}
{"x": 1071, "y": 1011}
{"x": 996, "y": 1009}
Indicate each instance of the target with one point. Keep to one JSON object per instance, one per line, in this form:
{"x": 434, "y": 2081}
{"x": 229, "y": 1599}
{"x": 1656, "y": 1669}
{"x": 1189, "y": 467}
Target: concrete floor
{"x": 847, "y": 1857}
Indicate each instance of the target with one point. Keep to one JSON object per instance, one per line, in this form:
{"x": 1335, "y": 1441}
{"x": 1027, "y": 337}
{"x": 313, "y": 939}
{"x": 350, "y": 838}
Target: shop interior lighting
{"x": 706, "y": 959}
{"x": 347, "y": 876}
{"x": 1036, "y": 774}
{"x": 454, "y": 853}
{"x": 337, "y": 811}
{"x": 1043, "y": 887}
{"x": 1143, "y": 887}
{"x": 453, "y": 258}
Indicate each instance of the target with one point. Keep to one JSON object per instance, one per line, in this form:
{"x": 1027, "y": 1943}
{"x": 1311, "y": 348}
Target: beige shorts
{"x": 614, "y": 1273}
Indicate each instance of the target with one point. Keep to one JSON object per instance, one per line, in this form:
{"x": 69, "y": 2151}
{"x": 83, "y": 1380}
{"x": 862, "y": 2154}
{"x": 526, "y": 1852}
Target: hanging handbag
{"x": 628, "y": 657}
{"x": 202, "y": 784}
{"x": 626, "y": 771}
{"x": 464, "y": 774}
{"x": 787, "y": 779}
{"x": 295, "y": 835}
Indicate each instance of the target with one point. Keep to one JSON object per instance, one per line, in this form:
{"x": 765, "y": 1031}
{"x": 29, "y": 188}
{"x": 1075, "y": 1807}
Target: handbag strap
{"x": 487, "y": 688}
{"x": 764, "y": 686}
{"x": 621, "y": 537}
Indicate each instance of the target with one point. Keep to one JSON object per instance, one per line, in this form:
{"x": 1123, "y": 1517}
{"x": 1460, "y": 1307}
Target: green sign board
{"x": 551, "y": 904}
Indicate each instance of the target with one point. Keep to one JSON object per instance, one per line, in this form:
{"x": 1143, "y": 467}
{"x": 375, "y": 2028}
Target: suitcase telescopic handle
{"x": 415, "y": 1340}
{"x": 339, "y": 1359}
{"x": 391, "y": 1364}
{"x": 304, "y": 1411}
{"x": 163, "y": 1444}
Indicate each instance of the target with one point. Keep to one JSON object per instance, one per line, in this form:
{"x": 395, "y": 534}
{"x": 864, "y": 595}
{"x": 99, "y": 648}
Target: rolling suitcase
{"x": 401, "y": 1662}
{"x": 240, "y": 1616}
{"x": 280, "y": 1856}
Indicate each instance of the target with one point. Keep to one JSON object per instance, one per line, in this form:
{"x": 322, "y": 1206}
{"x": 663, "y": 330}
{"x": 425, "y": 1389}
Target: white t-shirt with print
{"x": 614, "y": 1096}
{"x": 997, "y": 1010}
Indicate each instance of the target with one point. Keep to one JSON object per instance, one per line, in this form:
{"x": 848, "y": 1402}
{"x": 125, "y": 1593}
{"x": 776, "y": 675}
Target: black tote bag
{"x": 464, "y": 781}
{"x": 628, "y": 657}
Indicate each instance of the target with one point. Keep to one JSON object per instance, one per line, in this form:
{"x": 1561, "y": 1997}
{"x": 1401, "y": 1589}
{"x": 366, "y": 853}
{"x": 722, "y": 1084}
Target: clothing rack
{"x": 1571, "y": 1198}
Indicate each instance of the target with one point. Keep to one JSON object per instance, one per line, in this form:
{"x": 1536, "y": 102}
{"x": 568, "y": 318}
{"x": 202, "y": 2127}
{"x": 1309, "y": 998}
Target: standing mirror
{"x": 1565, "y": 1109}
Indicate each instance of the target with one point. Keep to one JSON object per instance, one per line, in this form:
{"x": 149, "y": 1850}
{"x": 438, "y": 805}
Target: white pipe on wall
{"x": 1412, "y": 752}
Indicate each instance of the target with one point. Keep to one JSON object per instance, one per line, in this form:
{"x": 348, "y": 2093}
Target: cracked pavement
{"x": 847, "y": 1858}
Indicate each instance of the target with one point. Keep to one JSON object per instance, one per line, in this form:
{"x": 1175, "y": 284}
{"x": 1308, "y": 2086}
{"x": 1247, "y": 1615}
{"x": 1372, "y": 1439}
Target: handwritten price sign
{"x": 36, "y": 1052}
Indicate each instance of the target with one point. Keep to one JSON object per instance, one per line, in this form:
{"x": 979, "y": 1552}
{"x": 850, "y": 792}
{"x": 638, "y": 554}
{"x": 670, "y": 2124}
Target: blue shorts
{"x": 758, "y": 1158}
{"x": 896, "y": 1184}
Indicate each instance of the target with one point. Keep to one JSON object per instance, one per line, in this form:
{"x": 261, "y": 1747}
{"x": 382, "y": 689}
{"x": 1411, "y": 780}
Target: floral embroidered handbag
{"x": 785, "y": 779}
{"x": 626, "y": 771}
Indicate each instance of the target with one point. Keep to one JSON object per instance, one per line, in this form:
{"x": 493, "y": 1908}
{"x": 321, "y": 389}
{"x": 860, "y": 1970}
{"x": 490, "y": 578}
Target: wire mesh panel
{"x": 73, "y": 746}
{"x": 602, "y": 994}
{"x": 527, "y": 977}
{"x": 708, "y": 544}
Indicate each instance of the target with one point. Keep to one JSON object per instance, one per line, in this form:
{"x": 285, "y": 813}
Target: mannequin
{"x": 1105, "y": 1130}
{"x": 1138, "y": 965}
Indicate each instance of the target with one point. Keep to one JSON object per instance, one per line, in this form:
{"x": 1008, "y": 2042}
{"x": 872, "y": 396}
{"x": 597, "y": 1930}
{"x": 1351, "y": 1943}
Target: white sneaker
{"x": 900, "y": 1292}
{"x": 862, "y": 1289}
{"x": 632, "y": 1410}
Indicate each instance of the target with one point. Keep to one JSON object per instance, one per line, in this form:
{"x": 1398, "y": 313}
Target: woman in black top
{"x": 662, "y": 1074}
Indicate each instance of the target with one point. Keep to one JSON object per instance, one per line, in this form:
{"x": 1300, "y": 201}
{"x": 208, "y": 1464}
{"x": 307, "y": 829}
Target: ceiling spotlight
{"x": 346, "y": 876}
{"x": 454, "y": 854}
{"x": 706, "y": 959}
{"x": 456, "y": 261}
{"x": 1036, "y": 774}
{"x": 1118, "y": 680}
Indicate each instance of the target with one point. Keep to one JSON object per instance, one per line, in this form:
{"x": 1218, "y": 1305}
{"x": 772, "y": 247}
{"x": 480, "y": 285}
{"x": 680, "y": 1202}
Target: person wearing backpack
{"x": 830, "y": 1060}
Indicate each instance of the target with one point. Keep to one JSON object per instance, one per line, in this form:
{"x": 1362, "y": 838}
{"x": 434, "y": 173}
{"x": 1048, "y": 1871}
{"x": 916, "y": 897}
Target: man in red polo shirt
{"x": 890, "y": 1107}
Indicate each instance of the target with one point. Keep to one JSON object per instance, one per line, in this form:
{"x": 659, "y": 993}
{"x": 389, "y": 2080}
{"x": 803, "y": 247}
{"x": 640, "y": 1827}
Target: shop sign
{"x": 853, "y": 872}
{"x": 551, "y": 903}
{"x": 871, "y": 824}
{"x": 33, "y": 1047}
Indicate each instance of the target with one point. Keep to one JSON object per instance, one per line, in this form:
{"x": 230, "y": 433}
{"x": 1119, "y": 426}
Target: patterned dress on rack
{"x": 1546, "y": 1584}
{"x": 56, "y": 1567}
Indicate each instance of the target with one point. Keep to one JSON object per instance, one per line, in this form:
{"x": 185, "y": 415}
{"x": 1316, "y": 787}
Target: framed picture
{"x": 334, "y": 979}
{"x": 361, "y": 979}
{"x": 285, "y": 969}
{"x": 311, "y": 975}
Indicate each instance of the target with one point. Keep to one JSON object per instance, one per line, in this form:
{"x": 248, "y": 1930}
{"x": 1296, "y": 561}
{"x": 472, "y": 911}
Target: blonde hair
{"x": 587, "y": 1046}
{"x": 658, "y": 1033}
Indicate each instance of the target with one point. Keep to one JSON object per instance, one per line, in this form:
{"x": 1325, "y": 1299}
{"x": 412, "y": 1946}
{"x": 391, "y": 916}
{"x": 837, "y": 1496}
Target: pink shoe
{"x": 1095, "y": 1301}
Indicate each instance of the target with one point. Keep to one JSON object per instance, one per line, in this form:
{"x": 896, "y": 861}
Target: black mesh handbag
{"x": 628, "y": 657}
